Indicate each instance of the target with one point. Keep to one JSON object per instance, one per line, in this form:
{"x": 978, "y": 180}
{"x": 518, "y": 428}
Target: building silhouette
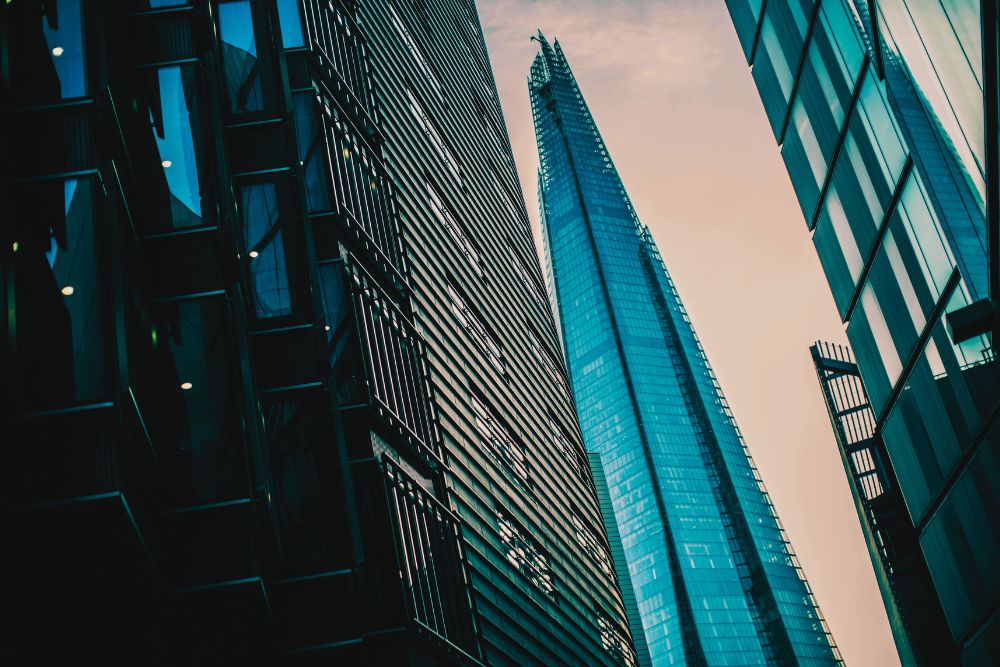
{"x": 280, "y": 382}
{"x": 886, "y": 114}
{"x": 713, "y": 575}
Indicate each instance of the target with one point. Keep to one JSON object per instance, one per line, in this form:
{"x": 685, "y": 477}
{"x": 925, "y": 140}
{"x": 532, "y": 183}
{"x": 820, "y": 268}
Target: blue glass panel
{"x": 291, "y": 24}
{"x": 60, "y": 320}
{"x": 312, "y": 151}
{"x": 174, "y": 117}
{"x": 241, "y": 68}
{"x": 265, "y": 250}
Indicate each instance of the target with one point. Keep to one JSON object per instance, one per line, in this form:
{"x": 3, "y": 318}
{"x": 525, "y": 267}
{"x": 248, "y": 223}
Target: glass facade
{"x": 278, "y": 380}
{"x": 714, "y": 578}
{"x": 900, "y": 208}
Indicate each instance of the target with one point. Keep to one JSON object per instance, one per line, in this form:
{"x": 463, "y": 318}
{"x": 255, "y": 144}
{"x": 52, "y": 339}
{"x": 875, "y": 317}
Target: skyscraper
{"x": 279, "y": 379}
{"x": 714, "y": 576}
{"x": 886, "y": 114}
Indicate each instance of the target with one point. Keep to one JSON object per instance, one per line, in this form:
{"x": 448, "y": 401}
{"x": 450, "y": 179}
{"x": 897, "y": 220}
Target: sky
{"x": 674, "y": 100}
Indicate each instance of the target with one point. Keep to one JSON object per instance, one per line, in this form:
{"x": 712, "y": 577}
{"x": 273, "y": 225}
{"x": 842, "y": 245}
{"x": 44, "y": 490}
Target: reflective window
{"x": 240, "y": 66}
{"x": 962, "y": 542}
{"x": 781, "y": 39}
{"x": 945, "y": 399}
{"x": 47, "y": 51}
{"x": 175, "y": 117}
{"x": 207, "y": 450}
{"x": 312, "y": 151}
{"x": 60, "y": 323}
{"x": 307, "y": 492}
{"x": 265, "y": 250}
{"x": 291, "y": 24}
{"x": 745, "y": 14}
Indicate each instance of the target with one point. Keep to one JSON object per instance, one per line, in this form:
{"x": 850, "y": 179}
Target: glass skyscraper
{"x": 714, "y": 577}
{"x": 886, "y": 114}
{"x": 279, "y": 380}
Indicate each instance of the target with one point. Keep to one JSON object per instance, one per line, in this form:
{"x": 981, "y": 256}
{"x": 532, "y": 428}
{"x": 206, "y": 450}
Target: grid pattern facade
{"x": 715, "y": 579}
{"x": 267, "y": 356}
{"x": 886, "y": 116}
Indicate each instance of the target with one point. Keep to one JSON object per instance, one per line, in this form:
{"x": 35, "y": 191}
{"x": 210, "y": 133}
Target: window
{"x": 207, "y": 448}
{"x": 593, "y": 545}
{"x": 553, "y": 370}
{"x": 474, "y": 326}
{"x": 241, "y": 68}
{"x": 615, "y": 642}
{"x": 455, "y": 229}
{"x": 569, "y": 452}
{"x": 525, "y": 555}
{"x": 416, "y": 52}
{"x": 265, "y": 250}
{"x": 311, "y": 149}
{"x": 47, "y": 51}
{"x": 60, "y": 324}
{"x": 521, "y": 271}
{"x": 508, "y": 452}
{"x": 175, "y": 119}
{"x": 442, "y": 149}
{"x": 291, "y": 24}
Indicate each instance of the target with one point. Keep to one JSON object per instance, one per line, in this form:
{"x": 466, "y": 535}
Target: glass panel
{"x": 312, "y": 149}
{"x": 291, "y": 24}
{"x": 265, "y": 250}
{"x": 60, "y": 324}
{"x": 175, "y": 117}
{"x": 942, "y": 405}
{"x": 307, "y": 489}
{"x": 206, "y": 457}
{"x": 745, "y": 14}
{"x": 47, "y": 51}
{"x": 781, "y": 39}
{"x": 962, "y": 542}
{"x": 239, "y": 57}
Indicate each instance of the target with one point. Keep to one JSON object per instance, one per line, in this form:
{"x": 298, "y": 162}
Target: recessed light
{"x": 167, "y": 164}
{"x": 14, "y": 246}
{"x": 327, "y": 327}
{"x": 68, "y": 290}
{"x": 186, "y": 385}
{"x": 253, "y": 253}
{"x": 57, "y": 51}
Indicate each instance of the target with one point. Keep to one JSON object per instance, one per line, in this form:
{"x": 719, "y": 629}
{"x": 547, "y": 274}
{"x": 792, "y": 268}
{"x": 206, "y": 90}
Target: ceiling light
{"x": 57, "y": 51}
{"x": 167, "y": 164}
{"x": 253, "y": 253}
{"x": 186, "y": 385}
{"x": 68, "y": 290}
{"x": 327, "y": 327}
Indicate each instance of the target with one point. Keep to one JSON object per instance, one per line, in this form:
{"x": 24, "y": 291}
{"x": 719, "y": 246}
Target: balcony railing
{"x": 430, "y": 555}
{"x": 394, "y": 379}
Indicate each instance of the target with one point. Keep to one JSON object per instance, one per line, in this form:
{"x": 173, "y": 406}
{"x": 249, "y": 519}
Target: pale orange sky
{"x": 675, "y": 102}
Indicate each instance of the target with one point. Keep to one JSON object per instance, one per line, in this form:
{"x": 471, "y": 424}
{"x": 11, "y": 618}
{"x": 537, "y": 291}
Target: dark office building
{"x": 886, "y": 112}
{"x": 715, "y": 580}
{"x": 915, "y": 615}
{"x": 280, "y": 383}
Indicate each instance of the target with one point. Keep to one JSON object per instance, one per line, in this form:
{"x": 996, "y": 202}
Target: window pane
{"x": 265, "y": 250}
{"x": 175, "y": 115}
{"x": 239, "y": 57}
{"x": 312, "y": 149}
{"x": 950, "y": 391}
{"x": 206, "y": 452}
{"x": 47, "y": 51}
{"x": 60, "y": 326}
{"x": 291, "y": 23}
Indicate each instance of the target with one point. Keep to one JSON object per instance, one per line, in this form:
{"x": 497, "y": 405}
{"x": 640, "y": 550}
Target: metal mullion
{"x": 367, "y": 324}
{"x": 433, "y": 570}
{"x": 398, "y": 391}
{"x": 398, "y": 494}
{"x": 416, "y": 564}
{"x": 366, "y": 198}
{"x": 377, "y": 345}
{"x": 337, "y": 165}
{"x": 353, "y": 174}
{"x": 404, "y": 380}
